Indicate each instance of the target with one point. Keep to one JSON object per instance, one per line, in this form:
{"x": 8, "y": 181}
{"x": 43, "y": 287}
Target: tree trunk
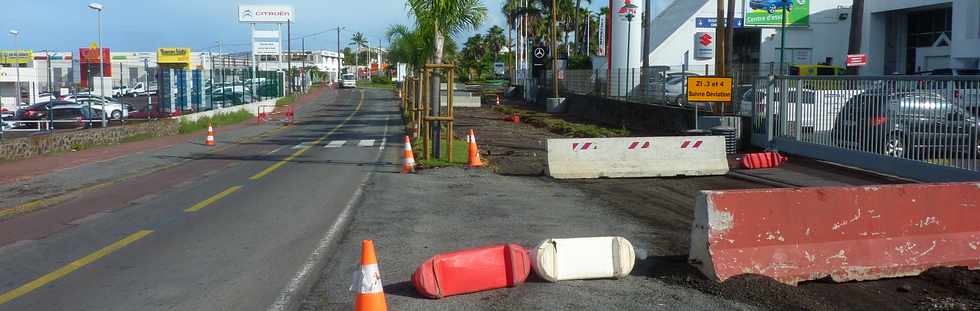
{"x": 434, "y": 93}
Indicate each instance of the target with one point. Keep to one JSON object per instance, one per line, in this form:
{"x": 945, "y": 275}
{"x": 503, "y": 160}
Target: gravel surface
{"x": 450, "y": 209}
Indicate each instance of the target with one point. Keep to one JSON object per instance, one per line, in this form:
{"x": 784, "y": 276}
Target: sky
{"x": 145, "y": 25}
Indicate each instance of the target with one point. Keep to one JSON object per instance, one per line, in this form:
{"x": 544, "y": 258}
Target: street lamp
{"x": 782, "y": 41}
{"x": 629, "y": 37}
{"x": 98, "y": 8}
{"x": 16, "y": 34}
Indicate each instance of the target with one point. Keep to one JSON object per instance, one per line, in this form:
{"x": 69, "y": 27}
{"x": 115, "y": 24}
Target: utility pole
{"x": 720, "y": 38}
{"x": 730, "y": 37}
{"x": 854, "y": 39}
{"x": 340, "y": 62}
{"x": 782, "y": 41}
{"x": 554, "y": 46}
{"x": 646, "y": 34}
{"x": 289, "y": 59}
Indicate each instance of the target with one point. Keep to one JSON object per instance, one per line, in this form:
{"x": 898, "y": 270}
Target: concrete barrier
{"x": 250, "y": 107}
{"x": 637, "y": 157}
{"x": 847, "y": 233}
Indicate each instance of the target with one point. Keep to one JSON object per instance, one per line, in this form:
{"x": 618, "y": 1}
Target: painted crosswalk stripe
{"x": 336, "y": 144}
{"x": 366, "y": 143}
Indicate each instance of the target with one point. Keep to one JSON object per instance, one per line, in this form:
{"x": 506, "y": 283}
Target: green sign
{"x": 769, "y": 13}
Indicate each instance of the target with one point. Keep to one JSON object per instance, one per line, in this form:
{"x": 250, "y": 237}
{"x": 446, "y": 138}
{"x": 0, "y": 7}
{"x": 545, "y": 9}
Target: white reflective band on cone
{"x": 368, "y": 280}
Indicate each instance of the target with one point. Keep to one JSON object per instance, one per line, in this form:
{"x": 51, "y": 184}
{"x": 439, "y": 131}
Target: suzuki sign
{"x": 264, "y": 14}
{"x": 704, "y": 45}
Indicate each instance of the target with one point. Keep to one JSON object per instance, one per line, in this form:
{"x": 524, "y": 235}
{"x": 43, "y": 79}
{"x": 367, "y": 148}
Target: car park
{"x": 907, "y": 124}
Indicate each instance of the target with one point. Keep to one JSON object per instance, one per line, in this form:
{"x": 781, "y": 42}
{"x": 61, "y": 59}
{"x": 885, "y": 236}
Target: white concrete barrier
{"x": 637, "y": 157}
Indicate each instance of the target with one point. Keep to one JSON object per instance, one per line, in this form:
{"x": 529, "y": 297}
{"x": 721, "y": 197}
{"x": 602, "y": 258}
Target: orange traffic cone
{"x": 409, "y": 165}
{"x": 210, "y": 140}
{"x": 474, "y": 152}
{"x": 367, "y": 282}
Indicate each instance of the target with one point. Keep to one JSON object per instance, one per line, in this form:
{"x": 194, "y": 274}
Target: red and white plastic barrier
{"x": 472, "y": 270}
{"x": 583, "y": 258}
{"x": 847, "y": 233}
{"x": 637, "y": 157}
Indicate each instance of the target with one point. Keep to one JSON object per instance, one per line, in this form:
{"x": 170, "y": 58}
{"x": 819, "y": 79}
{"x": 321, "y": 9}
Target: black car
{"x": 76, "y": 116}
{"x": 39, "y": 111}
{"x": 913, "y": 124}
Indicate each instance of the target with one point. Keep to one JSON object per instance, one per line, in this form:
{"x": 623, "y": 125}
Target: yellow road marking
{"x": 71, "y": 267}
{"x": 6, "y": 213}
{"x": 303, "y": 150}
{"x": 212, "y": 199}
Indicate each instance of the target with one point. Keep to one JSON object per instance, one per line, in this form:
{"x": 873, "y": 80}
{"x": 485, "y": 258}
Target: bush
{"x": 380, "y": 80}
{"x": 579, "y": 62}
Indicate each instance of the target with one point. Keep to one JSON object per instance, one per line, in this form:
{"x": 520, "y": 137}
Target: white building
{"x": 908, "y": 36}
{"x": 673, "y": 35}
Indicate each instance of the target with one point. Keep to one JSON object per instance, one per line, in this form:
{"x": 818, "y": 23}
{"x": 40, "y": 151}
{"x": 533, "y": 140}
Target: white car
{"x": 113, "y": 110}
{"x": 348, "y": 81}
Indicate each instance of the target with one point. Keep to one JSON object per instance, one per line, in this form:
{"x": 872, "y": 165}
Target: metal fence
{"x": 655, "y": 85}
{"x": 920, "y": 127}
{"x": 168, "y": 93}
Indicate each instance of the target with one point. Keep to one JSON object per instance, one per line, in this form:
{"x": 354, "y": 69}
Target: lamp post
{"x": 98, "y": 8}
{"x": 16, "y": 34}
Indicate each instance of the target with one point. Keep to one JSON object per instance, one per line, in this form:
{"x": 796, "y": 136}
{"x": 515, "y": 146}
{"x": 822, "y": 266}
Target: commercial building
{"x": 898, "y": 36}
{"x": 685, "y": 33}
{"x": 16, "y": 65}
{"x": 909, "y": 36}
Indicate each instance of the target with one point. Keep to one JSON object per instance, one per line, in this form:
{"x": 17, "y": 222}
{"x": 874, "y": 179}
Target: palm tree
{"x": 442, "y": 18}
{"x": 495, "y": 40}
{"x": 358, "y": 41}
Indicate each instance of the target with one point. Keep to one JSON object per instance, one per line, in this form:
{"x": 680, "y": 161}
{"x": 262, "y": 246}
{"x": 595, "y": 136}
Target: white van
{"x": 347, "y": 80}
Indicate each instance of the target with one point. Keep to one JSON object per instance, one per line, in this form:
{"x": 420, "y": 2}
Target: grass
{"x": 371, "y": 85}
{"x": 460, "y": 154}
{"x": 217, "y": 120}
{"x": 563, "y": 127}
{"x": 286, "y": 100}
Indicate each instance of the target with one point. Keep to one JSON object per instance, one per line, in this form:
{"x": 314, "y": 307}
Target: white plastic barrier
{"x": 637, "y": 157}
{"x": 583, "y": 258}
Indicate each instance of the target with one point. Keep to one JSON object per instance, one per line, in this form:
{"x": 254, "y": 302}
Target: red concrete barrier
{"x": 847, "y": 233}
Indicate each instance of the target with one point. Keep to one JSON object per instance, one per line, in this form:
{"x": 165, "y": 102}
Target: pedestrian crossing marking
{"x": 336, "y": 144}
{"x": 366, "y": 143}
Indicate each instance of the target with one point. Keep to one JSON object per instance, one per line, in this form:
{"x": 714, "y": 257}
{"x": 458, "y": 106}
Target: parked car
{"x": 906, "y": 124}
{"x": 965, "y": 93}
{"x": 38, "y": 111}
{"x": 115, "y": 110}
{"x": 120, "y": 91}
{"x": 348, "y": 81}
{"x": 7, "y": 120}
{"x": 80, "y": 96}
{"x": 771, "y": 5}
{"x": 76, "y": 116}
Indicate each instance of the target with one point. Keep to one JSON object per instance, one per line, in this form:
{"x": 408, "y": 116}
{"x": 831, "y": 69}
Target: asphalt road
{"x": 235, "y": 230}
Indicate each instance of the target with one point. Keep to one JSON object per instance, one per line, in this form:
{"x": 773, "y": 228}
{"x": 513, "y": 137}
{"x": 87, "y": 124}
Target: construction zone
{"x": 538, "y": 217}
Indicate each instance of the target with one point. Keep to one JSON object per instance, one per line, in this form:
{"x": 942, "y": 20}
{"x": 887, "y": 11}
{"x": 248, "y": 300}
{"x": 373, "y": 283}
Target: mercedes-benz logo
{"x": 539, "y": 52}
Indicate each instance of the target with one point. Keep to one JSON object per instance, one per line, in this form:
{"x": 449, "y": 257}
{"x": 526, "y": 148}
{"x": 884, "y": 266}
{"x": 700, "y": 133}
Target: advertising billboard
{"x": 769, "y": 13}
{"x": 174, "y": 56}
{"x": 10, "y": 57}
{"x": 91, "y": 56}
{"x": 264, "y": 13}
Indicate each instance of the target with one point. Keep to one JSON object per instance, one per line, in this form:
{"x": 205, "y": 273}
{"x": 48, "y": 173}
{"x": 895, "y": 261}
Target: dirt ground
{"x": 666, "y": 205}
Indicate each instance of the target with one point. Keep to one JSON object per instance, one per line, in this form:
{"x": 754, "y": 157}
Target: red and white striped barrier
{"x": 637, "y": 157}
{"x": 847, "y": 233}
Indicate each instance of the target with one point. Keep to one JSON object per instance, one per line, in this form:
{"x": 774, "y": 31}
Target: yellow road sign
{"x": 709, "y": 89}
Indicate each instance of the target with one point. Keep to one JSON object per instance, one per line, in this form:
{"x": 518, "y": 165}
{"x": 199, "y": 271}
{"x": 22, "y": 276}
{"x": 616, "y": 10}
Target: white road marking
{"x": 301, "y": 145}
{"x": 274, "y": 151}
{"x": 366, "y": 143}
{"x": 384, "y": 137}
{"x": 336, "y": 144}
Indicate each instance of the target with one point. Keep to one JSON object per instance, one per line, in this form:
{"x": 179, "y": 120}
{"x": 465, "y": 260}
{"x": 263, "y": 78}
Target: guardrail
{"x": 919, "y": 127}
